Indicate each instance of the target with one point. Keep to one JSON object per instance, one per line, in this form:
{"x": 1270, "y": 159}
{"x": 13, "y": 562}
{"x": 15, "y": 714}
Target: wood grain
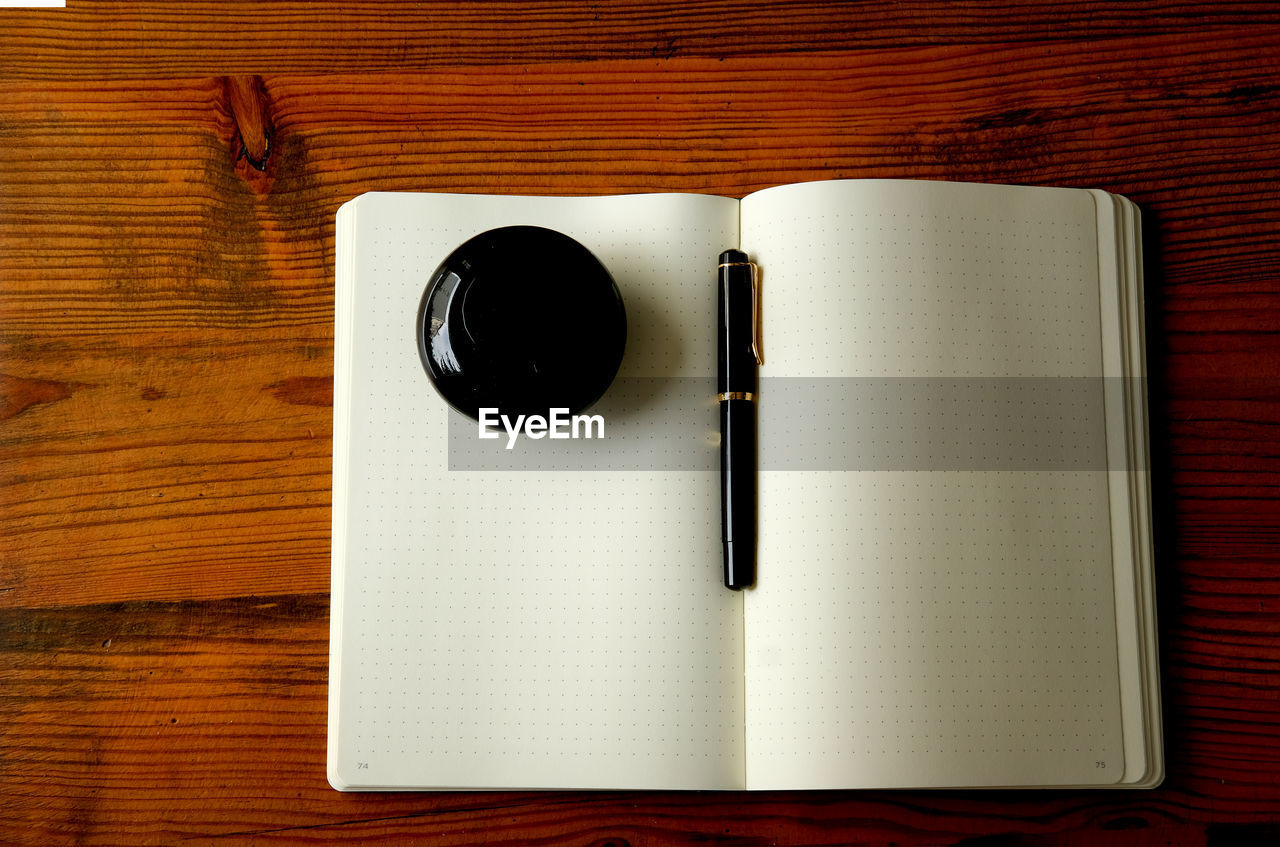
{"x": 118, "y": 38}
{"x": 168, "y": 178}
{"x": 152, "y": 722}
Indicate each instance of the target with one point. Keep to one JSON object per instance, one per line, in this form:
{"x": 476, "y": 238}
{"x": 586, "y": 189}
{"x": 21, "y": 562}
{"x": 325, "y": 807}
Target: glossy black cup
{"x": 521, "y": 319}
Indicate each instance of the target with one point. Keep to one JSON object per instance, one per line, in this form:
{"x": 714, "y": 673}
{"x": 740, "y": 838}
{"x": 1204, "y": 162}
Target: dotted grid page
{"x": 929, "y": 627}
{"x": 527, "y": 630}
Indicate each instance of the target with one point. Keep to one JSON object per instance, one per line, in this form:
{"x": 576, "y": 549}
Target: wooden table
{"x": 169, "y": 174}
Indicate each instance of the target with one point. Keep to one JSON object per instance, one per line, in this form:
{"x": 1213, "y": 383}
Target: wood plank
{"x": 152, "y": 722}
{"x": 117, "y": 38}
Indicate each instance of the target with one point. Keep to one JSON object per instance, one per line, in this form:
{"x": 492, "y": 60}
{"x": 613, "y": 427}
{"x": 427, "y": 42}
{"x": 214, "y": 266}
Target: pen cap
{"x": 521, "y": 319}
{"x": 737, "y": 369}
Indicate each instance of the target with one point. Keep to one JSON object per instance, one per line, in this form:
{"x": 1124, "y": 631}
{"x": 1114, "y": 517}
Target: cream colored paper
{"x": 524, "y": 630}
{"x": 929, "y": 628}
{"x": 556, "y": 629}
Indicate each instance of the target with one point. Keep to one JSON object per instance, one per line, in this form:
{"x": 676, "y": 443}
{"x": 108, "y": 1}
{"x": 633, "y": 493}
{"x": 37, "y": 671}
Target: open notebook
{"x": 922, "y": 617}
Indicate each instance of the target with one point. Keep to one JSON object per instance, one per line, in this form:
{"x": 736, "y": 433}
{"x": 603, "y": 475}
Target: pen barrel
{"x": 738, "y": 490}
{"x": 737, "y": 361}
{"x": 737, "y": 382}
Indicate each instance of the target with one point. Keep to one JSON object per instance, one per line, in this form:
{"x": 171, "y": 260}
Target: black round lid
{"x": 521, "y": 319}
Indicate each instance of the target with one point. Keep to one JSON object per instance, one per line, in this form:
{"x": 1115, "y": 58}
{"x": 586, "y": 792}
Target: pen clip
{"x": 757, "y": 336}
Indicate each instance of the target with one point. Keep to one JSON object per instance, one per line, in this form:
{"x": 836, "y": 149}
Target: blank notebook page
{"x": 527, "y": 630}
{"x": 929, "y": 627}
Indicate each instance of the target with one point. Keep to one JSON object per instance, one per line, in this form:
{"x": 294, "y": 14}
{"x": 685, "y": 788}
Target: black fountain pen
{"x": 736, "y": 390}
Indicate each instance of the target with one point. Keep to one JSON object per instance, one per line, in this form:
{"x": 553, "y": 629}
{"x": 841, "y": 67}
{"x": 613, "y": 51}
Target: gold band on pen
{"x": 735, "y": 395}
